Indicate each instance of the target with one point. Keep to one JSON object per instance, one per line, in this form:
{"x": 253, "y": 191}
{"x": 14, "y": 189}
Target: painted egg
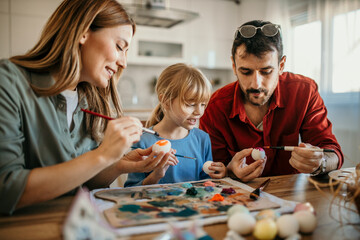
{"x": 267, "y": 213}
{"x": 307, "y": 221}
{"x": 162, "y": 146}
{"x": 304, "y": 206}
{"x": 206, "y": 167}
{"x": 265, "y": 229}
{"x": 242, "y": 223}
{"x": 258, "y": 153}
{"x": 287, "y": 225}
{"x": 237, "y": 208}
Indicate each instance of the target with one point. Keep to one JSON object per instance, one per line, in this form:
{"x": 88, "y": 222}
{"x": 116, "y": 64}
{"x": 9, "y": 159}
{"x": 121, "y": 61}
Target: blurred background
{"x": 321, "y": 41}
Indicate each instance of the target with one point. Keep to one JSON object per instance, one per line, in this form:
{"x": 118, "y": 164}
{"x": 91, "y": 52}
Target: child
{"x": 183, "y": 93}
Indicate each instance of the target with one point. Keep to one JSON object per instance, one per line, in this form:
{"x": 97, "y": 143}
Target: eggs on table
{"x": 267, "y": 224}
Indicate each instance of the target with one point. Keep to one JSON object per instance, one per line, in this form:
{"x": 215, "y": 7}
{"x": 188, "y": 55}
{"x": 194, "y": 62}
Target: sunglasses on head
{"x": 248, "y": 31}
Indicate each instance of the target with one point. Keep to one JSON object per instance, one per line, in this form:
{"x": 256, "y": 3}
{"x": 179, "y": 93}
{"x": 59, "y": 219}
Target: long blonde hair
{"x": 58, "y": 51}
{"x": 183, "y": 81}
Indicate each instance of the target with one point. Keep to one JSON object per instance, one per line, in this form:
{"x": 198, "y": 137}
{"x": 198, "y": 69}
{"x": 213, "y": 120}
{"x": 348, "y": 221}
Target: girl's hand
{"x": 218, "y": 170}
{"x": 163, "y": 166}
{"x": 160, "y": 170}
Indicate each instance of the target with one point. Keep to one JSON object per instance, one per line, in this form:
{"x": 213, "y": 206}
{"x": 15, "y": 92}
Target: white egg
{"x": 242, "y": 223}
{"x": 237, "y": 208}
{"x": 206, "y": 167}
{"x": 162, "y": 146}
{"x": 307, "y": 221}
{"x": 258, "y": 153}
{"x": 287, "y": 225}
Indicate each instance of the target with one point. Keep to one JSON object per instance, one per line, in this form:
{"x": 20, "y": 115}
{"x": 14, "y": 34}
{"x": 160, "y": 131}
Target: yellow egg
{"x": 265, "y": 229}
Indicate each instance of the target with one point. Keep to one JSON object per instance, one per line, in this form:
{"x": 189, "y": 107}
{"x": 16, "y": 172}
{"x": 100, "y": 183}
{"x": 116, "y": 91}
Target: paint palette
{"x": 152, "y": 204}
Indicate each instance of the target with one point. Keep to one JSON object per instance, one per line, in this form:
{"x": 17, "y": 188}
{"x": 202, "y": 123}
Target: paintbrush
{"x": 291, "y": 148}
{"x": 177, "y": 155}
{"x": 256, "y": 193}
{"x": 110, "y": 118}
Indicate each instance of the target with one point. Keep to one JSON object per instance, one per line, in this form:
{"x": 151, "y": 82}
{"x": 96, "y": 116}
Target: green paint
{"x": 167, "y": 203}
{"x": 187, "y": 212}
{"x": 163, "y": 192}
{"x": 130, "y": 208}
{"x": 224, "y": 208}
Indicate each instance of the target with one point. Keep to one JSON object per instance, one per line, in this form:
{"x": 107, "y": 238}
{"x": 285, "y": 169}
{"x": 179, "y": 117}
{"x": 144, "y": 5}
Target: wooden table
{"x": 44, "y": 221}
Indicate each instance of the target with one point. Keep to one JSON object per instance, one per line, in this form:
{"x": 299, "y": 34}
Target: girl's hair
{"x": 183, "y": 81}
{"x": 58, "y": 52}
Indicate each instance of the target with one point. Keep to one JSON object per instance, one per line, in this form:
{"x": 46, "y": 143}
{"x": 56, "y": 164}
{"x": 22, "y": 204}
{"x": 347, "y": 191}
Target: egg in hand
{"x": 258, "y": 153}
{"x": 162, "y": 145}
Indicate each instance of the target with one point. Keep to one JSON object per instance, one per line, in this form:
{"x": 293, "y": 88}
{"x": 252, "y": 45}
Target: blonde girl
{"x": 183, "y": 92}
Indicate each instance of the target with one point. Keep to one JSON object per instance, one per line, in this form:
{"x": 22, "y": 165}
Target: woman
{"x": 48, "y": 146}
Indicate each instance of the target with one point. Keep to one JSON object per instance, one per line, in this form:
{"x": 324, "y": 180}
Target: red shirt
{"x": 296, "y": 109}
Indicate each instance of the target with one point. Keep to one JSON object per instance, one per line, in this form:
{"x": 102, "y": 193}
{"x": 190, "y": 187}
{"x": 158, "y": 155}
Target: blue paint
{"x": 186, "y": 185}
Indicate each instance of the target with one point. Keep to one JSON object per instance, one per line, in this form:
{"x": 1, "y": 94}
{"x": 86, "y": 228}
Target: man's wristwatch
{"x": 321, "y": 169}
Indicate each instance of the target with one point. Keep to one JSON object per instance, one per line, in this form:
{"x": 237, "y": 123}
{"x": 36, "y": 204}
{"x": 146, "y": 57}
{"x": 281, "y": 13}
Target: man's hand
{"x": 247, "y": 172}
{"x": 305, "y": 161}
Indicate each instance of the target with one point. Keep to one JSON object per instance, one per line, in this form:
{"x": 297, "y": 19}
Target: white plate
{"x": 346, "y": 175}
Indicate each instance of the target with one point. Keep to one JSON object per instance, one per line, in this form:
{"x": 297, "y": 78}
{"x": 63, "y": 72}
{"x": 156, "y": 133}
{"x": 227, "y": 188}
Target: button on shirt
{"x": 296, "y": 109}
{"x": 33, "y": 130}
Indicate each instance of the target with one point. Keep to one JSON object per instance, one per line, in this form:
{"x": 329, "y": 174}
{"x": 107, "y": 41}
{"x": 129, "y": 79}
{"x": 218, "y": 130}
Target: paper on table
{"x": 286, "y": 207}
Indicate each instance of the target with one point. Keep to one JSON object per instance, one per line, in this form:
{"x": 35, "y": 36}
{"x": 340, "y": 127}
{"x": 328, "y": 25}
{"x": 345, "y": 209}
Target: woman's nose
{"x": 122, "y": 59}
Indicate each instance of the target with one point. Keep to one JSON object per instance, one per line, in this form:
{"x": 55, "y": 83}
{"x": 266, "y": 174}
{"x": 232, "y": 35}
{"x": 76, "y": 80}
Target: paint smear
{"x": 130, "y": 208}
{"x": 187, "y": 212}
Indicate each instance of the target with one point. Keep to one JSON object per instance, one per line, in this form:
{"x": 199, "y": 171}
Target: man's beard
{"x": 260, "y": 90}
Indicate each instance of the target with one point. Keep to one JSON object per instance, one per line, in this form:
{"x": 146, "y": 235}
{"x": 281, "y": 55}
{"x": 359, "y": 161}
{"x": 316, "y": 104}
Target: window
{"x": 326, "y": 47}
{"x": 346, "y": 53}
{"x": 307, "y": 63}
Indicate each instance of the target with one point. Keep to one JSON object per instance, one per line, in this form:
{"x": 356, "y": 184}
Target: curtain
{"x": 322, "y": 41}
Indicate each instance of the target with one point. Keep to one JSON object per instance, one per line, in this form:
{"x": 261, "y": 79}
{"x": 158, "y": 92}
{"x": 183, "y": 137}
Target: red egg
{"x": 304, "y": 206}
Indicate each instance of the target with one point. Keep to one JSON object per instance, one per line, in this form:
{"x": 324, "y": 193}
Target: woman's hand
{"x": 144, "y": 160}
{"x": 242, "y": 171}
{"x": 119, "y": 135}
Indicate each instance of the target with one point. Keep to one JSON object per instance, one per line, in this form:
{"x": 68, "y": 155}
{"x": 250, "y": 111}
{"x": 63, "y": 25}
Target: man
{"x": 268, "y": 107}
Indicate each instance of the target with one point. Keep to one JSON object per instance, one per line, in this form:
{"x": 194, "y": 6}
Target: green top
{"x": 33, "y": 130}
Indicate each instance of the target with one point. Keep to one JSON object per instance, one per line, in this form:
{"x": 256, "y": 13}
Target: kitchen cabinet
{"x": 204, "y": 42}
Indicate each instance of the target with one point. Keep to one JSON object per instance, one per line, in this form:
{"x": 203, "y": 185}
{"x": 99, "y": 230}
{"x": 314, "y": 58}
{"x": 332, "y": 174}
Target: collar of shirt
{"x": 238, "y": 104}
